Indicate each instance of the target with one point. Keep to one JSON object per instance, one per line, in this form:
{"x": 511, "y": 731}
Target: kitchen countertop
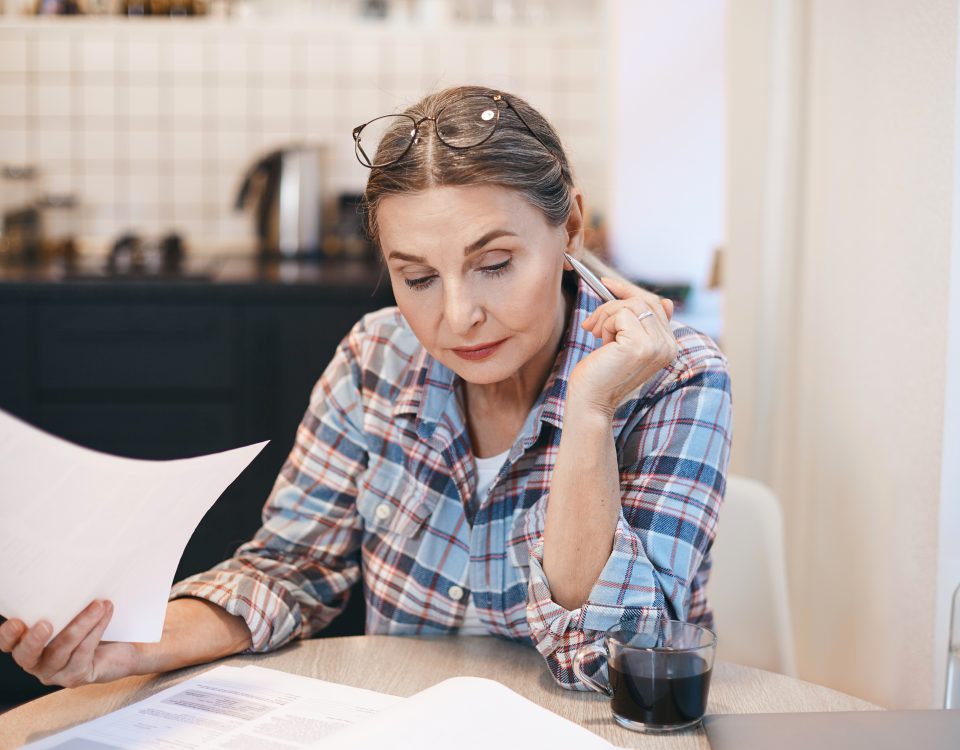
{"x": 213, "y": 277}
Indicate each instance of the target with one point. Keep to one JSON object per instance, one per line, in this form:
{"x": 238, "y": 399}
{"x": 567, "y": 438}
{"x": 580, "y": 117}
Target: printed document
{"x": 253, "y": 708}
{"x": 79, "y": 525}
{"x": 234, "y": 708}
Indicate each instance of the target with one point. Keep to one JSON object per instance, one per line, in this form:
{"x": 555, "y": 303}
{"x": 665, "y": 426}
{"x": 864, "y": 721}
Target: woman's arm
{"x": 585, "y": 495}
{"x": 584, "y": 506}
{"x": 288, "y": 582}
{"x": 194, "y": 632}
{"x": 662, "y": 458}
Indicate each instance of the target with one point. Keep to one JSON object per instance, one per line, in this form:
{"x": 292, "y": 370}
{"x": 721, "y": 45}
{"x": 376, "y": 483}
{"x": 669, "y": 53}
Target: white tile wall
{"x": 153, "y": 122}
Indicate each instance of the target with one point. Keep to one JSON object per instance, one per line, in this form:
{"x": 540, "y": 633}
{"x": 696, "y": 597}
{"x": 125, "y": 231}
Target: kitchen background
{"x": 149, "y": 124}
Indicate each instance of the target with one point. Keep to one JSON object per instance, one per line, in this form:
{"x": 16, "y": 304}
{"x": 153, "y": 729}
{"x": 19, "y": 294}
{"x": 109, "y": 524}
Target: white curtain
{"x": 841, "y": 210}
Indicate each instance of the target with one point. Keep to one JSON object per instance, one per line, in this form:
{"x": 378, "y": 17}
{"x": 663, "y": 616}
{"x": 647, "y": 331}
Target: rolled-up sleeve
{"x": 673, "y": 462}
{"x": 295, "y": 575}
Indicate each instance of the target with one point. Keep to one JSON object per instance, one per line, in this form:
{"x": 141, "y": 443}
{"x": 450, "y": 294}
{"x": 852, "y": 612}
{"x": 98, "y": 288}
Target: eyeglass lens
{"x": 464, "y": 124}
{"x": 400, "y": 128}
{"x": 468, "y": 122}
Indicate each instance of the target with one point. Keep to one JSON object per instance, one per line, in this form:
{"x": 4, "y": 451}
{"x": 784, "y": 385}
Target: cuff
{"x": 625, "y": 591}
{"x": 273, "y": 621}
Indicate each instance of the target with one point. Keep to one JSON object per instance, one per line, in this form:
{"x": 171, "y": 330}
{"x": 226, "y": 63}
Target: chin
{"x": 482, "y": 373}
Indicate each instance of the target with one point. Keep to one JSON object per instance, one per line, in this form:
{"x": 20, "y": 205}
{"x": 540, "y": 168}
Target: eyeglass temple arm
{"x": 525, "y": 124}
{"x": 356, "y": 139}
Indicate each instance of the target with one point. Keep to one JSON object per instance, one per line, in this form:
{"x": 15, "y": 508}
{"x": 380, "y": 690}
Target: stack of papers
{"x": 253, "y": 708}
{"x": 79, "y": 525}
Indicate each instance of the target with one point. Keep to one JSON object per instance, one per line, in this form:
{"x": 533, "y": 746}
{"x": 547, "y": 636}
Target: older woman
{"x": 502, "y": 453}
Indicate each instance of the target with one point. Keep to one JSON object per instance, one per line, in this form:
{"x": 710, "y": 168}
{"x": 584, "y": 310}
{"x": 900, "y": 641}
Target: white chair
{"x": 951, "y": 697}
{"x": 748, "y": 584}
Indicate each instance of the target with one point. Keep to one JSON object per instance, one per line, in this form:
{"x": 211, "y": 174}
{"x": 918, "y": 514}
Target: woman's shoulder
{"x": 382, "y": 342}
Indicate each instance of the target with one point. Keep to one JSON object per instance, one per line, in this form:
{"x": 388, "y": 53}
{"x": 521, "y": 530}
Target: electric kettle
{"x": 286, "y": 189}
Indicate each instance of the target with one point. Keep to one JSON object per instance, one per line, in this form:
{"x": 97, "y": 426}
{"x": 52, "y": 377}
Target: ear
{"x": 574, "y": 227}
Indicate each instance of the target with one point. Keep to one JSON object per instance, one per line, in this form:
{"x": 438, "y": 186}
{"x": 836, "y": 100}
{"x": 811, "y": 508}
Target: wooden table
{"x": 404, "y": 666}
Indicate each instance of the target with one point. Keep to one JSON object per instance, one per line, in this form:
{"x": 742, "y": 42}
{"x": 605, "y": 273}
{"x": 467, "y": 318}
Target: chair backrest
{"x": 748, "y": 583}
{"x": 951, "y": 696}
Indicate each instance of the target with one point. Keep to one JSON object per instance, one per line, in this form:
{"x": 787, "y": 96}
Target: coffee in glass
{"x": 659, "y": 675}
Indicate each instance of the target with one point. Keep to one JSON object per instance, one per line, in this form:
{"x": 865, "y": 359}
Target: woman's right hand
{"x": 76, "y": 656}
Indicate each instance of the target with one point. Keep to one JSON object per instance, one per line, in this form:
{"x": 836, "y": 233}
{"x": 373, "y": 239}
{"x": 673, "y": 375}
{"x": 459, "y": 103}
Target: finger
{"x": 626, "y": 290}
{"x": 667, "y": 307}
{"x": 10, "y": 632}
{"x": 606, "y": 312}
{"x": 595, "y": 320}
{"x": 621, "y": 288}
{"x": 28, "y": 651}
{"x": 79, "y": 669}
{"x": 618, "y": 322}
{"x": 60, "y": 649}
{"x": 651, "y": 326}
{"x": 656, "y": 303}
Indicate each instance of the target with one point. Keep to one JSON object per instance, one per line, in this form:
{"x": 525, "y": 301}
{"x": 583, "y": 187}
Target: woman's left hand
{"x": 633, "y": 350}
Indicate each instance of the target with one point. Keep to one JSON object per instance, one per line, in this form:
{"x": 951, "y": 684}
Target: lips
{"x": 481, "y": 351}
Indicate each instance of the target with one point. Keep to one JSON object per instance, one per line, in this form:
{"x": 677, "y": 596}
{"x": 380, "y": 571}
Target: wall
{"x": 841, "y": 211}
{"x": 152, "y": 121}
{"x": 667, "y": 199}
{"x": 948, "y": 578}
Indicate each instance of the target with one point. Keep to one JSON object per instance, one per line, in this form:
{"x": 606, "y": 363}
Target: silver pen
{"x": 590, "y": 279}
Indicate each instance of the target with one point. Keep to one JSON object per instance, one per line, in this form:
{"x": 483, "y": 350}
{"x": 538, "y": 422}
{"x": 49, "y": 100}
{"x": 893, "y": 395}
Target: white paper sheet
{"x": 78, "y": 525}
{"x": 249, "y": 708}
{"x": 253, "y": 708}
{"x": 466, "y": 713}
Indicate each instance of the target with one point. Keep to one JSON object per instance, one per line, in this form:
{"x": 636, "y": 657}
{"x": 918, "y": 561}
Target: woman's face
{"x": 476, "y": 273}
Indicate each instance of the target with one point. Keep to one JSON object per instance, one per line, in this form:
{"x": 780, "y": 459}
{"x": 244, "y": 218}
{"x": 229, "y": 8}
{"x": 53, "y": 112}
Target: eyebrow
{"x": 471, "y": 248}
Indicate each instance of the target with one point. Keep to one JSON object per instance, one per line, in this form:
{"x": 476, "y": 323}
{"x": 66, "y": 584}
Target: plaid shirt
{"x": 381, "y": 472}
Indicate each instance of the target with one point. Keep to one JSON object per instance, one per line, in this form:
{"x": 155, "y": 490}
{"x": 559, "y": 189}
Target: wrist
{"x": 588, "y": 411}
{"x": 150, "y": 658}
{"x": 195, "y": 631}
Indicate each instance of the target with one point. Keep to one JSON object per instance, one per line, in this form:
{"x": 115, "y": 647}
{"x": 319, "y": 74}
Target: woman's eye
{"x": 422, "y": 283}
{"x": 497, "y": 269}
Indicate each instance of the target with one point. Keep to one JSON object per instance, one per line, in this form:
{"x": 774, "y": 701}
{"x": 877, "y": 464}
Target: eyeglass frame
{"x": 414, "y": 134}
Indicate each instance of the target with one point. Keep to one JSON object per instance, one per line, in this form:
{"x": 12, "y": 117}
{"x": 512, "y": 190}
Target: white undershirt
{"x": 487, "y": 470}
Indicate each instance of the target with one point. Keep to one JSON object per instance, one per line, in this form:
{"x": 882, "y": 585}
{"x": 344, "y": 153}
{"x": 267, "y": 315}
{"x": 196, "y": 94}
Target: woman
{"x": 500, "y": 453}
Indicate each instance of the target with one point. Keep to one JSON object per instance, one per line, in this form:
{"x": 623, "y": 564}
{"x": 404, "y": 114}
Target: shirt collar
{"x": 428, "y": 392}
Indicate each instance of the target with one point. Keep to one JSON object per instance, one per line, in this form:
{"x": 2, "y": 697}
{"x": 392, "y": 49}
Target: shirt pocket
{"x": 392, "y": 501}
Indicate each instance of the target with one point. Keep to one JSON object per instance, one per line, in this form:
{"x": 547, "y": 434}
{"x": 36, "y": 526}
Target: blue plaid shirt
{"x": 381, "y": 474}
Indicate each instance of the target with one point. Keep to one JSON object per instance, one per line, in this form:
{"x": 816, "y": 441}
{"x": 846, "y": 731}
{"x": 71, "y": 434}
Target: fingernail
{"x": 44, "y": 630}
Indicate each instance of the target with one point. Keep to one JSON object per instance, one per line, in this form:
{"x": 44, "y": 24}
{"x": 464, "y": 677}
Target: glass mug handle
{"x": 594, "y": 649}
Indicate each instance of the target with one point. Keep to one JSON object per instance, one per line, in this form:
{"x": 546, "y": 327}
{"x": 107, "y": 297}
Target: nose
{"x": 461, "y": 311}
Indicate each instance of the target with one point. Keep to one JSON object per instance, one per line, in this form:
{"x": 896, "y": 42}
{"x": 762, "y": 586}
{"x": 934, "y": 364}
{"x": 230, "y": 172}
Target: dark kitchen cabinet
{"x": 169, "y": 370}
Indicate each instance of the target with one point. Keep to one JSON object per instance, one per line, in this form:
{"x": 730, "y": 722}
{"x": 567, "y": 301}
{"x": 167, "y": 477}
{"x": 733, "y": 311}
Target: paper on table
{"x": 466, "y": 713}
{"x": 249, "y": 708}
{"x": 79, "y": 525}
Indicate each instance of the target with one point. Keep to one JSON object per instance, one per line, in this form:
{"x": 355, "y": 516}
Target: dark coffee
{"x": 663, "y": 695}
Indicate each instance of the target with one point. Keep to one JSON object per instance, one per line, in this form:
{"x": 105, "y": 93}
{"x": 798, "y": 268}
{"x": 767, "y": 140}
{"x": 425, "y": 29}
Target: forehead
{"x": 444, "y": 215}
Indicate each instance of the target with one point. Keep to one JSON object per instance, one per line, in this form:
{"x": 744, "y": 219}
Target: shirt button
{"x": 455, "y": 593}
{"x": 382, "y": 512}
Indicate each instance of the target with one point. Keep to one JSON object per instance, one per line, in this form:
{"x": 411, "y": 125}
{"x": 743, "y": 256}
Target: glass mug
{"x": 659, "y": 676}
